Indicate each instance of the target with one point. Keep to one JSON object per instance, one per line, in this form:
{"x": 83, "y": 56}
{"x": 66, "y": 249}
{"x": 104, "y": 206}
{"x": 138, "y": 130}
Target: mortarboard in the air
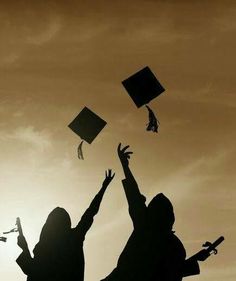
{"x": 87, "y": 125}
{"x": 143, "y": 87}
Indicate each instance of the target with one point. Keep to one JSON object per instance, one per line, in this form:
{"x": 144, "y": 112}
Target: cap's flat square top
{"x": 143, "y": 86}
{"x": 87, "y": 125}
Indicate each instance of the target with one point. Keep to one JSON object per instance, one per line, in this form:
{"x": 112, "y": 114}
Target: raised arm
{"x": 136, "y": 201}
{"x": 25, "y": 261}
{"x": 87, "y": 218}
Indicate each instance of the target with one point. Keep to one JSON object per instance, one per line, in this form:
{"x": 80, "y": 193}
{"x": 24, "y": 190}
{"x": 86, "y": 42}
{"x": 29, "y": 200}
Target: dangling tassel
{"x": 153, "y": 122}
{"x": 3, "y": 239}
{"x": 80, "y": 152}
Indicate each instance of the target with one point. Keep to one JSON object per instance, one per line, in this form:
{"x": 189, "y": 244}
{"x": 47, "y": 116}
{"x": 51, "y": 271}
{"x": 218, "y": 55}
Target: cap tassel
{"x": 80, "y": 152}
{"x": 153, "y": 122}
{"x": 3, "y": 239}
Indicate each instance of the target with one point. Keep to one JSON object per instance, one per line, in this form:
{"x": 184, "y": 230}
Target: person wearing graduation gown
{"x": 153, "y": 252}
{"x": 59, "y": 256}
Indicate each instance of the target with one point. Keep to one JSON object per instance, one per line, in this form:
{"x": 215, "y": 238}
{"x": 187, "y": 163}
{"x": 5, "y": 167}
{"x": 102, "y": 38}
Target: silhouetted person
{"x": 59, "y": 256}
{"x": 153, "y": 251}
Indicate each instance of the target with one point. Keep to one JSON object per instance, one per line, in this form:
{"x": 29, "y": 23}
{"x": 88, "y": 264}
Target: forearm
{"x": 87, "y": 218}
{"x": 26, "y": 251}
{"x": 133, "y": 189}
{"x": 25, "y": 261}
{"x": 127, "y": 172}
{"x": 95, "y": 204}
{"x": 191, "y": 267}
{"x": 136, "y": 201}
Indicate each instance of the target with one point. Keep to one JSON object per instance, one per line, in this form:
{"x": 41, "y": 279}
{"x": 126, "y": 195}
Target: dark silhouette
{"x": 87, "y": 125}
{"x": 153, "y": 122}
{"x": 143, "y": 87}
{"x": 153, "y": 251}
{"x": 59, "y": 256}
{"x": 80, "y": 151}
{"x": 211, "y": 247}
{"x": 3, "y": 239}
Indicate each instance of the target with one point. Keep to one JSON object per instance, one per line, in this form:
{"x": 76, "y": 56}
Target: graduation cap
{"x": 143, "y": 87}
{"x": 87, "y": 125}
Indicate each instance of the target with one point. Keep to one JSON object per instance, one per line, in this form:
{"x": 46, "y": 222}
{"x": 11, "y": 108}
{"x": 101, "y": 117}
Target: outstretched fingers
{"x": 112, "y": 176}
{"x": 109, "y": 174}
{"x": 123, "y": 150}
{"x": 124, "y": 154}
{"x": 119, "y": 147}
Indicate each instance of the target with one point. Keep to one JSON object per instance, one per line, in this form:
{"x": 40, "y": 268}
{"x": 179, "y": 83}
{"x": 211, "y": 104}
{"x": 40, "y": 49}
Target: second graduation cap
{"x": 143, "y": 87}
{"x": 87, "y": 125}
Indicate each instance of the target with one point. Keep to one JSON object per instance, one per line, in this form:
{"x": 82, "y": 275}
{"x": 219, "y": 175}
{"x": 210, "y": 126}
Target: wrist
{"x": 25, "y": 249}
{"x": 105, "y": 185}
{"x": 125, "y": 167}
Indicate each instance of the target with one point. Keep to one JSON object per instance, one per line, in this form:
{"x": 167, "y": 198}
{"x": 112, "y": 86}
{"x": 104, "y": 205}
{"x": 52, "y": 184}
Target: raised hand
{"x": 108, "y": 177}
{"x": 124, "y": 155}
{"x": 21, "y": 242}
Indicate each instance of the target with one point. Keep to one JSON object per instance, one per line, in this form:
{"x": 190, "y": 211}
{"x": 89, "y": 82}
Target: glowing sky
{"x": 58, "y": 56}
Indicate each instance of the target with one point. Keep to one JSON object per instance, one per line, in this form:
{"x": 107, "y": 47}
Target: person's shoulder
{"x": 175, "y": 238}
{"x": 176, "y": 243}
{"x": 76, "y": 236}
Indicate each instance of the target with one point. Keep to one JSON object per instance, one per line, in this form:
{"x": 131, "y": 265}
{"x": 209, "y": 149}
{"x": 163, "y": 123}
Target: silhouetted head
{"x": 57, "y": 224}
{"x": 161, "y": 214}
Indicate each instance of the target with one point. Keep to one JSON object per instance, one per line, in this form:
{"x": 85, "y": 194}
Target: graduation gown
{"x": 63, "y": 261}
{"x": 150, "y": 256}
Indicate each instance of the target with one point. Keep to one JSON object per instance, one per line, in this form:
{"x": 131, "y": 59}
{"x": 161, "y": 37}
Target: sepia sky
{"x": 57, "y": 57}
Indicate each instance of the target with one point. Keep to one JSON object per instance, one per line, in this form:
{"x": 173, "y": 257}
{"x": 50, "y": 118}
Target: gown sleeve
{"x": 191, "y": 267}
{"x": 25, "y": 262}
{"x": 136, "y": 202}
{"x": 87, "y": 219}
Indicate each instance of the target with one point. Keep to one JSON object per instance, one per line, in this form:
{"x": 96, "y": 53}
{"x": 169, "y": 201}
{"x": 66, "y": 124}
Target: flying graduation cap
{"x": 143, "y": 87}
{"x": 87, "y": 125}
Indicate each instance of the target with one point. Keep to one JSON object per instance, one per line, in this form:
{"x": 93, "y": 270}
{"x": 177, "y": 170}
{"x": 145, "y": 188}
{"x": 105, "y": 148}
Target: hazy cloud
{"x": 45, "y": 35}
{"x": 29, "y": 135}
{"x": 186, "y": 179}
{"x": 10, "y": 59}
{"x": 56, "y": 56}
